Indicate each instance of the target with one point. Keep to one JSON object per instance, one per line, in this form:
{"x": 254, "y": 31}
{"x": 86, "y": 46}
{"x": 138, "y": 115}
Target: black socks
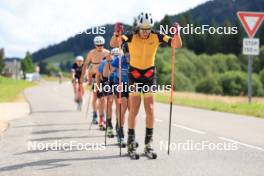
{"x": 149, "y": 135}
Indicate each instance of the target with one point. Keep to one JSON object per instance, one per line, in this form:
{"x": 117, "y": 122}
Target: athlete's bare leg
{"x": 133, "y": 111}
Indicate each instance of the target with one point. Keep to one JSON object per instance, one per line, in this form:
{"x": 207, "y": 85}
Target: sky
{"x": 28, "y": 25}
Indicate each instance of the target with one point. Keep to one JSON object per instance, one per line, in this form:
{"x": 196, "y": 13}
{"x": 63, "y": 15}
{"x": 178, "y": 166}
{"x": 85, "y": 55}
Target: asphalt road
{"x": 232, "y": 144}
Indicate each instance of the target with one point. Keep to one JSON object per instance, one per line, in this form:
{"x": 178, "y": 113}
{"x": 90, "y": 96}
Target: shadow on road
{"x": 55, "y": 163}
{"x": 53, "y": 111}
{"x": 56, "y": 131}
{"x": 64, "y": 137}
{"x": 51, "y": 124}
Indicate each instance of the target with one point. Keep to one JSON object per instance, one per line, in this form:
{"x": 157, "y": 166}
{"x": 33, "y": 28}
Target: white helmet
{"x": 99, "y": 40}
{"x": 115, "y": 52}
{"x": 145, "y": 21}
{"x": 79, "y": 58}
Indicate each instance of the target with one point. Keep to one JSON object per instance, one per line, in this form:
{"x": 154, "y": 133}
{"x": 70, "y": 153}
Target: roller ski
{"x": 110, "y": 133}
{"x": 120, "y": 137}
{"x": 149, "y": 152}
{"x": 79, "y": 105}
{"x": 94, "y": 121}
{"x": 121, "y": 142}
{"x": 101, "y": 124}
{"x": 131, "y": 150}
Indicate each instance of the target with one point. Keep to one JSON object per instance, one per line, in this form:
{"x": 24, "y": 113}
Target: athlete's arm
{"x": 73, "y": 73}
{"x": 106, "y": 69}
{"x": 85, "y": 65}
{"x": 118, "y": 39}
{"x": 97, "y": 77}
{"x": 175, "y": 42}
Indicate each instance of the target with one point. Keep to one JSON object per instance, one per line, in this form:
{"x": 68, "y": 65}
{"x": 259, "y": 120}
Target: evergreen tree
{"x": 261, "y": 36}
{"x": 212, "y": 41}
{"x": 27, "y": 65}
{"x": 2, "y": 63}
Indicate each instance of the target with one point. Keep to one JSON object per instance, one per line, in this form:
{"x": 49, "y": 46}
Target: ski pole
{"x": 119, "y": 95}
{"x": 172, "y": 83}
{"x": 87, "y": 110}
{"x": 119, "y": 29}
{"x": 107, "y": 102}
{"x": 88, "y": 104}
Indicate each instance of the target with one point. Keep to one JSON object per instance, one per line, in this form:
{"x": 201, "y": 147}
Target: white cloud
{"x": 32, "y": 24}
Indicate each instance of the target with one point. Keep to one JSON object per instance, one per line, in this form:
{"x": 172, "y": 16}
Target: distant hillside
{"x": 77, "y": 45}
{"x": 217, "y": 10}
{"x": 220, "y": 10}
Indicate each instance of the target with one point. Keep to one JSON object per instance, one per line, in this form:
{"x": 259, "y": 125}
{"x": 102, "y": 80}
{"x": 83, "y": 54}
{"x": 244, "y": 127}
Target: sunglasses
{"x": 99, "y": 45}
{"x": 145, "y": 30}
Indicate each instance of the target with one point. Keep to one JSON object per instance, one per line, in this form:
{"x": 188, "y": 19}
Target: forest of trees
{"x": 2, "y": 55}
{"x": 223, "y": 74}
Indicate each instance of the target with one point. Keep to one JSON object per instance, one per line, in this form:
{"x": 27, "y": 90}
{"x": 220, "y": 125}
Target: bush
{"x": 235, "y": 83}
{"x": 261, "y": 77}
{"x": 181, "y": 83}
{"x": 210, "y": 85}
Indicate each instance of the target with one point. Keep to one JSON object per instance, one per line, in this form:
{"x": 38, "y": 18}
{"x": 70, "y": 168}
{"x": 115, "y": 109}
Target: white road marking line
{"x": 158, "y": 120}
{"x": 189, "y": 129}
{"x": 241, "y": 143}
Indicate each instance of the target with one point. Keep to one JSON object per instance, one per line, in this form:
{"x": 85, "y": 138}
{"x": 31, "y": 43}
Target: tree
{"x": 27, "y": 65}
{"x": 261, "y": 36}
{"x": 210, "y": 85}
{"x": 212, "y": 41}
{"x": 2, "y": 63}
{"x": 134, "y": 25}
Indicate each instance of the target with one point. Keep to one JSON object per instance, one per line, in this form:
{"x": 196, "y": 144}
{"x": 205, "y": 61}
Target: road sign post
{"x": 251, "y": 21}
{"x": 250, "y": 62}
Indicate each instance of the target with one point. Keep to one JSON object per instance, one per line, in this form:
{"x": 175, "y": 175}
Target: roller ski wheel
{"x": 79, "y": 106}
{"x": 150, "y": 153}
{"x": 94, "y": 121}
{"x": 133, "y": 155}
{"x": 131, "y": 150}
{"x": 102, "y": 128}
{"x": 102, "y": 124}
{"x": 121, "y": 143}
{"x": 110, "y": 133}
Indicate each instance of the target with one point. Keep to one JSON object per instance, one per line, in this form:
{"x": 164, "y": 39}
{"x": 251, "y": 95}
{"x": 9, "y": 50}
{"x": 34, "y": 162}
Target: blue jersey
{"x": 124, "y": 71}
{"x": 101, "y": 69}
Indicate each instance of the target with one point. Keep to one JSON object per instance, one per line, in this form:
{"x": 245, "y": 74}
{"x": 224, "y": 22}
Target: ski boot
{"x": 120, "y": 138}
{"x": 101, "y": 124}
{"x": 149, "y": 151}
{"x": 109, "y": 132}
{"x": 131, "y": 150}
{"x": 94, "y": 121}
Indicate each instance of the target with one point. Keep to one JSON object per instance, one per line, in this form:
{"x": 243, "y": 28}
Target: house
{"x": 12, "y": 67}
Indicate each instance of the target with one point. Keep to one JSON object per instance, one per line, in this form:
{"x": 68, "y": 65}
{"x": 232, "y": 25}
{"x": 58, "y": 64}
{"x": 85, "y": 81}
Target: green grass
{"x": 253, "y": 109}
{"x": 11, "y": 89}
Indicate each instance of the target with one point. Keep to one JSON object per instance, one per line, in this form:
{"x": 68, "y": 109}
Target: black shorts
{"x": 106, "y": 89}
{"x": 77, "y": 78}
{"x": 142, "y": 81}
{"x": 124, "y": 91}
